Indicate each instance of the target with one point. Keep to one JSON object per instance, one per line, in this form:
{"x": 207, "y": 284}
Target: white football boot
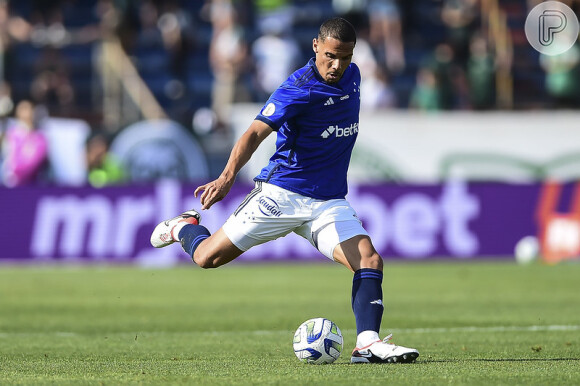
{"x": 383, "y": 351}
{"x": 163, "y": 234}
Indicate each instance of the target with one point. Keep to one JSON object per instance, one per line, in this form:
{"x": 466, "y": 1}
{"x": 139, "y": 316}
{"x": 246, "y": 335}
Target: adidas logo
{"x": 329, "y": 102}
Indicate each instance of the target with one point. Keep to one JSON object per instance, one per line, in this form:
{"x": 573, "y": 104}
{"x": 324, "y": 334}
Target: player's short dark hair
{"x": 339, "y": 29}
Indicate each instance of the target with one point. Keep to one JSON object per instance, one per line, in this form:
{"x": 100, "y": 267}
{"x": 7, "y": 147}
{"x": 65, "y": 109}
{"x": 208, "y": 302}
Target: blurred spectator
{"x": 448, "y": 76}
{"x": 563, "y": 77}
{"x": 426, "y": 95}
{"x": 47, "y": 25}
{"x": 274, "y": 14}
{"x": 110, "y": 17}
{"x": 13, "y": 29}
{"x": 386, "y": 33}
{"x": 149, "y": 32}
{"x": 25, "y": 148}
{"x": 532, "y": 3}
{"x": 481, "y": 74}
{"x": 376, "y": 92}
{"x": 385, "y": 28}
{"x": 121, "y": 18}
{"x": 6, "y": 103}
{"x": 96, "y": 25}
{"x": 52, "y": 71}
{"x": 52, "y": 86}
{"x": 229, "y": 60}
{"x": 103, "y": 168}
{"x": 178, "y": 34}
{"x": 6, "y": 106}
{"x": 276, "y": 55}
{"x": 461, "y": 17}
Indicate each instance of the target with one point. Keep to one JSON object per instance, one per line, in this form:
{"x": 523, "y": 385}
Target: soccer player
{"x": 315, "y": 114}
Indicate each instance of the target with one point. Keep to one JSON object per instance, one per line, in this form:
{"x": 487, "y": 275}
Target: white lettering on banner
{"x": 375, "y": 214}
{"x": 132, "y": 214}
{"x": 458, "y": 208}
{"x": 73, "y": 216}
{"x": 415, "y": 220}
{"x": 413, "y": 224}
{"x": 109, "y": 229}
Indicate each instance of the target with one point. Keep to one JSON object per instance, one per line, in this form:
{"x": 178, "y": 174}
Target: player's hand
{"x": 213, "y": 192}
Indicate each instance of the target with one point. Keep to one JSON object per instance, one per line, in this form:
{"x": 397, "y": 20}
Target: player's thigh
{"x": 338, "y": 234}
{"x": 328, "y": 236}
{"x": 358, "y": 252}
{"x": 248, "y": 232}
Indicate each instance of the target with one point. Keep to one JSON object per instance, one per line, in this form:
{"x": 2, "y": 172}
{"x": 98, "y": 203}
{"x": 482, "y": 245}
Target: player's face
{"x": 332, "y": 58}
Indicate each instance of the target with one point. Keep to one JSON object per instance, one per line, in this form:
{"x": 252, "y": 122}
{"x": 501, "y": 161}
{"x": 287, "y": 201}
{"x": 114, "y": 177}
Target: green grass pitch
{"x": 474, "y": 323}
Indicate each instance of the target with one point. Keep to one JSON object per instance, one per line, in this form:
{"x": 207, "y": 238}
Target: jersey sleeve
{"x": 284, "y": 103}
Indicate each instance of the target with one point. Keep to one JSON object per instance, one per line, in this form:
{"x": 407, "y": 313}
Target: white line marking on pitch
{"x": 268, "y": 332}
{"x": 467, "y": 329}
{"x": 488, "y": 329}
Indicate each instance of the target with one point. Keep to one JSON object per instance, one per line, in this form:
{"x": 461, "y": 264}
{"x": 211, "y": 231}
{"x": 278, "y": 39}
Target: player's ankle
{"x": 177, "y": 228}
{"x": 367, "y": 338}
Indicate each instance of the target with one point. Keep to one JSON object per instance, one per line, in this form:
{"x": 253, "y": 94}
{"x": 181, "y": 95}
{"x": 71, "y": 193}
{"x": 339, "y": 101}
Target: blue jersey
{"x": 317, "y": 125}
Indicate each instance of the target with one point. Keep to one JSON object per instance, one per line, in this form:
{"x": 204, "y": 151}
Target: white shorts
{"x": 269, "y": 212}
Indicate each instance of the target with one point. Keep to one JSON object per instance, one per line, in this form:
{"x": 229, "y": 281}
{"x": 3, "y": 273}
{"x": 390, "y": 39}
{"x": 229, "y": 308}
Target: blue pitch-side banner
{"x": 113, "y": 225}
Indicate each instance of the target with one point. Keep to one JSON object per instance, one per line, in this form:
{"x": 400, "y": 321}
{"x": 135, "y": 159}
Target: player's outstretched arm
{"x": 242, "y": 151}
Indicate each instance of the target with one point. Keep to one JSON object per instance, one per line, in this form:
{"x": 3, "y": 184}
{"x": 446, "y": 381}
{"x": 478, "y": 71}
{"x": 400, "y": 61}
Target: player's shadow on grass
{"x": 495, "y": 360}
{"x": 428, "y": 361}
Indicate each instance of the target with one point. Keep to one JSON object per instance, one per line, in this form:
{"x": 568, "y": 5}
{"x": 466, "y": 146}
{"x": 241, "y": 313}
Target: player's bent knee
{"x": 374, "y": 261}
{"x": 214, "y": 257}
{"x": 205, "y": 260}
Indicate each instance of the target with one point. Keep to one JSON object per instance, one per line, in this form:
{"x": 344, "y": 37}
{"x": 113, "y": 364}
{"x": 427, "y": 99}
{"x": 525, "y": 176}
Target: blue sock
{"x": 367, "y": 299}
{"x": 191, "y": 235}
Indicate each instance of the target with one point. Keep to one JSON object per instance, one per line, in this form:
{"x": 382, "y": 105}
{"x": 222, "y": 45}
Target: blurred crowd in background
{"x": 199, "y": 58}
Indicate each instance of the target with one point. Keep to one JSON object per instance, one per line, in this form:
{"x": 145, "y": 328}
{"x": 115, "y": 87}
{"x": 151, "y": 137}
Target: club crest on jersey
{"x": 340, "y": 131}
{"x": 269, "y": 207}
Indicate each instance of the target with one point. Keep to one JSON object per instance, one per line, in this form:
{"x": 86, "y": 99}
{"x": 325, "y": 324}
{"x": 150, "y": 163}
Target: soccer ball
{"x": 318, "y": 341}
{"x": 527, "y": 250}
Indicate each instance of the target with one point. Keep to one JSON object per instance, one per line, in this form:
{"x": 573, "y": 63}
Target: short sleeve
{"x": 284, "y": 104}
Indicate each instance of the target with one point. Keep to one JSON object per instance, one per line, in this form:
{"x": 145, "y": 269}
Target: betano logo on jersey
{"x": 340, "y": 131}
